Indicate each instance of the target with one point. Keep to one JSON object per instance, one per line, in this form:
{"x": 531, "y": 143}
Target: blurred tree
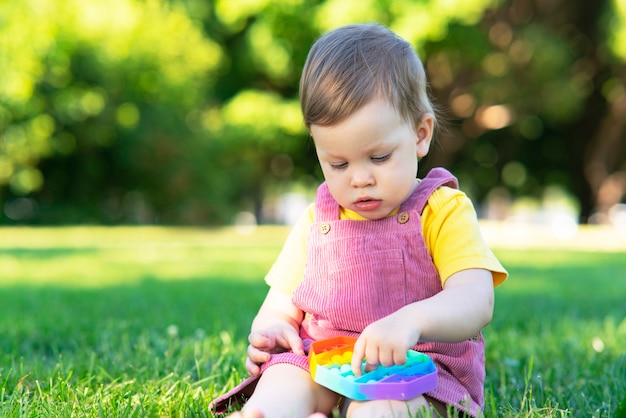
{"x": 93, "y": 102}
{"x": 186, "y": 111}
{"x": 257, "y": 99}
{"x": 537, "y": 99}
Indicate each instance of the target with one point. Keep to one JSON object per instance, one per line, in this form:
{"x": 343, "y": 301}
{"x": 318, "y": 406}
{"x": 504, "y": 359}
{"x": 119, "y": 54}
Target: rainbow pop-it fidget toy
{"x": 330, "y": 361}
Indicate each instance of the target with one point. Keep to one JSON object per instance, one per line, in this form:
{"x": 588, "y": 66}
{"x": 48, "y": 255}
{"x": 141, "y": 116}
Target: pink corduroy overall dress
{"x": 360, "y": 271}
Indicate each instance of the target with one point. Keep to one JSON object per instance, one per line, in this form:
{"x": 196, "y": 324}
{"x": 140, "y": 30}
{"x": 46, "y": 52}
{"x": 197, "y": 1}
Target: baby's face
{"x": 370, "y": 159}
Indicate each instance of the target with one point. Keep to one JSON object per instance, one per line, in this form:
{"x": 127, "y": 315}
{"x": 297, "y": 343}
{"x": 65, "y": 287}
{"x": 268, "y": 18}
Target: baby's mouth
{"x": 367, "y": 203}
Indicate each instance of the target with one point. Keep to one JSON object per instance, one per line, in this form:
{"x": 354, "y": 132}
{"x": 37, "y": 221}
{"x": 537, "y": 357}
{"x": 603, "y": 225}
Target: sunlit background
{"x": 186, "y": 111}
{"x": 182, "y": 116}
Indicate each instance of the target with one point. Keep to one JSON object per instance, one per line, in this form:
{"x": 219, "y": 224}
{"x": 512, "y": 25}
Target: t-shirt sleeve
{"x": 287, "y": 271}
{"x": 453, "y": 236}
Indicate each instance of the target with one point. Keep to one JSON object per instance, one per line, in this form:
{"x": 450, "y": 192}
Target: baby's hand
{"x": 279, "y": 338}
{"x": 383, "y": 343}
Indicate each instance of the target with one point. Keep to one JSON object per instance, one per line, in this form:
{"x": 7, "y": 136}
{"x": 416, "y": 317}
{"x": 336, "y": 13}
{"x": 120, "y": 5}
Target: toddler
{"x": 396, "y": 261}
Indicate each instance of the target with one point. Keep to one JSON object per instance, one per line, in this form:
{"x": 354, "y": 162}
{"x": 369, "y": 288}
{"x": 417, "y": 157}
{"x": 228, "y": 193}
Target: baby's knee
{"x": 416, "y": 407}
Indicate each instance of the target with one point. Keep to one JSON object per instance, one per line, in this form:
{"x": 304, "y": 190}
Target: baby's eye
{"x": 338, "y": 166}
{"x": 382, "y": 158}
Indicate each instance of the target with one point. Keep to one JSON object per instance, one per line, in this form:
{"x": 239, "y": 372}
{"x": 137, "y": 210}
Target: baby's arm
{"x": 274, "y": 329}
{"x": 457, "y": 313}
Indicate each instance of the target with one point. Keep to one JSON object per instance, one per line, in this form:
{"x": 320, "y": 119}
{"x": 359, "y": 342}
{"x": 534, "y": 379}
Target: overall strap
{"x": 435, "y": 178}
{"x": 326, "y": 207}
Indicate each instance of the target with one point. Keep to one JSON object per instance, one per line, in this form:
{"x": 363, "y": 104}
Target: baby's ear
{"x": 424, "y": 133}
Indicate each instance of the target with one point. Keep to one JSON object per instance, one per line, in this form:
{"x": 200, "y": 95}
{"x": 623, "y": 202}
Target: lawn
{"x": 122, "y": 322}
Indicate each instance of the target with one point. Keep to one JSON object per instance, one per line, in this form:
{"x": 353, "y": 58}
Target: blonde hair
{"x": 350, "y": 66}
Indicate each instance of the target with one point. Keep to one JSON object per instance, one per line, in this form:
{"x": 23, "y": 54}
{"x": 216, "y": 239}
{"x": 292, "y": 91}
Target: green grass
{"x": 121, "y": 322}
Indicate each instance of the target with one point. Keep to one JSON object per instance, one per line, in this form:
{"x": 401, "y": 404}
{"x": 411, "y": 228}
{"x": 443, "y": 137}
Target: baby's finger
{"x": 260, "y": 340}
{"x": 294, "y": 342}
{"x": 370, "y": 366}
{"x": 357, "y": 358}
{"x": 372, "y": 356}
{"x": 386, "y": 357}
{"x": 252, "y": 368}
{"x": 256, "y": 355}
{"x": 399, "y": 357}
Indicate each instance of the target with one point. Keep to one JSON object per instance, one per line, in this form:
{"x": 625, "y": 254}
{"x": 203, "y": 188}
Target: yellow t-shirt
{"x": 450, "y": 230}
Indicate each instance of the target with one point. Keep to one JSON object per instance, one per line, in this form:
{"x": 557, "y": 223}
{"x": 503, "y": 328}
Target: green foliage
{"x": 186, "y": 111}
{"x": 95, "y": 92}
{"x": 617, "y": 34}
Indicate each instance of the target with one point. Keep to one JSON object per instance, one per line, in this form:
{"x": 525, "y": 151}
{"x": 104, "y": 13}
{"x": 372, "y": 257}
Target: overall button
{"x": 324, "y": 228}
{"x": 403, "y": 217}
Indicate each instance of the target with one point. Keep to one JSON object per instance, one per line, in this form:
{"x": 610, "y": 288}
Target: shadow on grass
{"x": 198, "y": 328}
{"x": 49, "y": 253}
{"x": 542, "y": 287}
{"x": 49, "y": 320}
